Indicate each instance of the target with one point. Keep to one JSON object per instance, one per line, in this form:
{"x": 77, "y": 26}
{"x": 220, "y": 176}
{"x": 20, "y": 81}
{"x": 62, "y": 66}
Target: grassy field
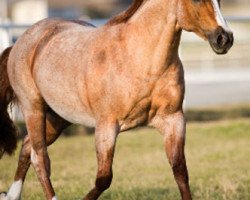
{"x": 217, "y": 155}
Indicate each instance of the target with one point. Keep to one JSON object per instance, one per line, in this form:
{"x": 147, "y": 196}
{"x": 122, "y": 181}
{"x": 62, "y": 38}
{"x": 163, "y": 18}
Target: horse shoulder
{"x": 168, "y": 94}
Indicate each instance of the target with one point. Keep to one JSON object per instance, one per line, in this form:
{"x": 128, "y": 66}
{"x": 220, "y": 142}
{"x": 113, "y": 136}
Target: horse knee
{"x": 103, "y": 182}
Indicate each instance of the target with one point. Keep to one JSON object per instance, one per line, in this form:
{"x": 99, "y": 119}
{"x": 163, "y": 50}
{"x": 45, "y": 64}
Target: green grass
{"x": 218, "y": 113}
{"x": 217, "y": 155}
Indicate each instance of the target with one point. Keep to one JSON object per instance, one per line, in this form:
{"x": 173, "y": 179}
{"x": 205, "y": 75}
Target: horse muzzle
{"x": 220, "y": 40}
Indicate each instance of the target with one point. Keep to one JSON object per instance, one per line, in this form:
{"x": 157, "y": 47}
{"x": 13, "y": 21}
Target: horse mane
{"x": 126, "y": 15}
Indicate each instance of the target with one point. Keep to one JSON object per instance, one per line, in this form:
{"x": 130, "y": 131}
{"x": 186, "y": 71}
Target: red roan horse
{"x": 121, "y": 75}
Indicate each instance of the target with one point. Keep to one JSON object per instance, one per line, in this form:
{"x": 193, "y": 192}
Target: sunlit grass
{"x": 217, "y": 155}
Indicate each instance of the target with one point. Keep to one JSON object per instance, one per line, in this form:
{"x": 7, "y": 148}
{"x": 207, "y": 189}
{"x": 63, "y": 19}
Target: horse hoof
{"x": 3, "y": 196}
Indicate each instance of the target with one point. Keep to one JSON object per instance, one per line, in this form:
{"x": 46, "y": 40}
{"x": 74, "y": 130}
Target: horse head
{"x": 204, "y": 18}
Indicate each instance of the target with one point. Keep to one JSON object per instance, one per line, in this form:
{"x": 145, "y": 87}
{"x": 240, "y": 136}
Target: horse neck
{"x": 156, "y": 23}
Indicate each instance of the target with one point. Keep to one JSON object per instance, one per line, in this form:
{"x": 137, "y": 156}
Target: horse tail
{"x": 8, "y": 136}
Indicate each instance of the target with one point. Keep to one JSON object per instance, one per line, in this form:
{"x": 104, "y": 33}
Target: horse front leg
{"x": 105, "y": 140}
{"x": 173, "y": 128}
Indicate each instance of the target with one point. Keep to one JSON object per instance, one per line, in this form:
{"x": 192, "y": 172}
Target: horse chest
{"x": 168, "y": 96}
{"x": 163, "y": 100}
{"x": 137, "y": 115}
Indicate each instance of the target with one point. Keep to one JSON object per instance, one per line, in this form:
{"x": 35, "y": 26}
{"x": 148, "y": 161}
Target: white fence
{"x": 9, "y": 31}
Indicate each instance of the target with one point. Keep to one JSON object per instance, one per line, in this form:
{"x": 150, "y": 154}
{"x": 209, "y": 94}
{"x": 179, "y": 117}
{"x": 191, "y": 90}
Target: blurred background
{"x": 212, "y": 80}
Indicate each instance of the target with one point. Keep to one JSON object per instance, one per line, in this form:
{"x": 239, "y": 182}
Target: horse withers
{"x": 124, "y": 74}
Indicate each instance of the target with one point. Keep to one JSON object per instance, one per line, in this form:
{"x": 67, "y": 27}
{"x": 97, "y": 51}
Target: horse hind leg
{"x": 54, "y": 126}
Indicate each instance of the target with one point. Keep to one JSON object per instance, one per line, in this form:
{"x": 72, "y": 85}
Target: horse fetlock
{"x": 103, "y": 183}
{"x": 14, "y": 192}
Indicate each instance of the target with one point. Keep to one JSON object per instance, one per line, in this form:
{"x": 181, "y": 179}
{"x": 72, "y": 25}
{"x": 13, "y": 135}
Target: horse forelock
{"x": 126, "y": 15}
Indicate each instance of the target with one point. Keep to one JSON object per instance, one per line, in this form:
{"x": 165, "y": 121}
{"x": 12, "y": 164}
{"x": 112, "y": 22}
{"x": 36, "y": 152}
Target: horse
{"x": 124, "y": 74}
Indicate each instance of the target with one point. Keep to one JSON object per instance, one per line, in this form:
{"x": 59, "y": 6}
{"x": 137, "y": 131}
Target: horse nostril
{"x": 220, "y": 40}
{"x": 223, "y": 39}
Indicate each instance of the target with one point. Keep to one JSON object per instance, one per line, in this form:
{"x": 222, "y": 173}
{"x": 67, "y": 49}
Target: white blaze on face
{"x": 219, "y": 18}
